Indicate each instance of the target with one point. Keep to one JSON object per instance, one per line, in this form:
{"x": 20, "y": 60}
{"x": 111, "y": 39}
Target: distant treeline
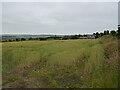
{"x": 107, "y": 32}
{"x": 115, "y": 33}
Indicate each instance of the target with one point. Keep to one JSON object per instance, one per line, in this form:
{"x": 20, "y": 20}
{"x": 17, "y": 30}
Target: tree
{"x": 13, "y": 40}
{"x": 85, "y": 35}
{"x": 107, "y": 32}
{"x": 30, "y": 38}
{"x": 41, "y": 39}
{"x": 97, "y": 35}
{"x": 65, "y": 38}
{"x": 10, "y": 40}
{"x": 73, "y": 37}
{"x": 113, "y": 33}
{"x": 79, "y": 35}
{"x": 118, "y": 33}
{"x": 17, "y": 39}
{"x": 101, "y": 34}
{"x": 23, "y": 39}
{"x": 94, "y": 33}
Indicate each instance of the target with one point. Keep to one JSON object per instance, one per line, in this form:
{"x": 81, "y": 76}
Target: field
{"x": 80, "y": 63}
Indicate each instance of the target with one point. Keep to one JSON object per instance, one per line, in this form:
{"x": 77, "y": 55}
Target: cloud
{"x": 65, "y": 18}
{"x": 119, "y": 13}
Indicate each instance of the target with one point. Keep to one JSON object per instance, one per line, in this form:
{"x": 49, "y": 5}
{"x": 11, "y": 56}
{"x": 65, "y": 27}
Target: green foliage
{"x": 113, "y": 33}
{"x": 11, "y": 79}
{"x": 21, "y": 86}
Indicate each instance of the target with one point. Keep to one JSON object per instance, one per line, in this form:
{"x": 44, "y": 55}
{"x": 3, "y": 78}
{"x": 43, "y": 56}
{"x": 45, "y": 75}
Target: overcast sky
{"x": 59, "y": 18}
{"x": 119, "y": 12}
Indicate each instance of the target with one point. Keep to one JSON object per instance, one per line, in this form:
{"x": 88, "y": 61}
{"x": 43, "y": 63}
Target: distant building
{"x": 88, "y": 36}
{"x": 83, "y": 38}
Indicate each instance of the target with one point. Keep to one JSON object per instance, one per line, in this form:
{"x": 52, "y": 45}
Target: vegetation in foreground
{"x": 81, "y": 63}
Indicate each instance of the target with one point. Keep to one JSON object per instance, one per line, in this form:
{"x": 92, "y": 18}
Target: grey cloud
{"x": 59, "y": 17}
{"x": 119, "y": 13}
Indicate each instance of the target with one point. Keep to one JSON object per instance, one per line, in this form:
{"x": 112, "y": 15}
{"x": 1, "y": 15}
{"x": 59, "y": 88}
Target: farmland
{"x": 80, "y": 63}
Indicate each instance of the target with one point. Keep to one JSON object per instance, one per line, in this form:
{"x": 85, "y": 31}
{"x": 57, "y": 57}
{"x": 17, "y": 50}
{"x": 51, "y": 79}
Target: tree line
{"x": 67, "y": 37}
{"x": 107, "y": 32}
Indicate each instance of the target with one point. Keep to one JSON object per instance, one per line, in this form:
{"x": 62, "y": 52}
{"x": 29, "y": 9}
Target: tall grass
{"x": 111, "y": 61}
{"x": 0, "y": 65}
{"x": 57, "y": 63}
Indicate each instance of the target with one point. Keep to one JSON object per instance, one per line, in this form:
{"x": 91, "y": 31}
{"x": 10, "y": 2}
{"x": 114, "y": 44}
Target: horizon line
{"x": 44, "y": 33}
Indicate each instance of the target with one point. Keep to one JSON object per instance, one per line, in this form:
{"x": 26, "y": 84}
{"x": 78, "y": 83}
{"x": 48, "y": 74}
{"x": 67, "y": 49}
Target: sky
{"x": 59, "y": 17}
{"x": 119, "y": 13}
